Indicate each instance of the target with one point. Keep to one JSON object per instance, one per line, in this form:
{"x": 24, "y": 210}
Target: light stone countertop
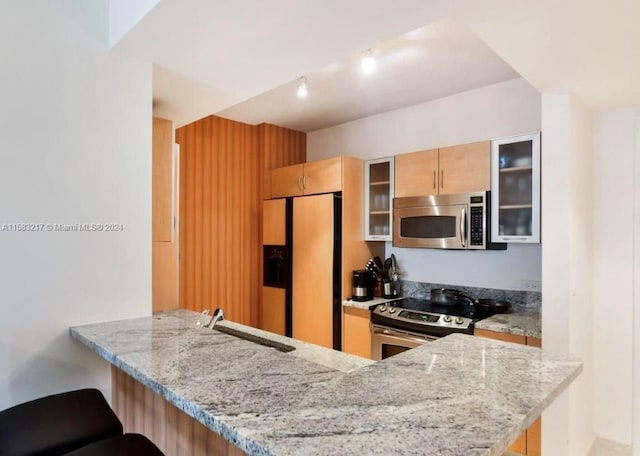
{"x": 366, "y": 305}
{"x": 459, "y": 395}
{"x": 518, "y": 324}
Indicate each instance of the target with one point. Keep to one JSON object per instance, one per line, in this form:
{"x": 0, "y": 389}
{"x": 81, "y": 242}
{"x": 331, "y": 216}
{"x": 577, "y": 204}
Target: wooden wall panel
{"x": 174, "y": 432}
{"x": 282, "y": 146}
{"x": 220, "y": 196}
{"x": 222, "y": 170}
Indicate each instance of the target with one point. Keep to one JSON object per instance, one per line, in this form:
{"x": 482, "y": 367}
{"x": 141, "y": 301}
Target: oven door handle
{"x": 402, "y": 336}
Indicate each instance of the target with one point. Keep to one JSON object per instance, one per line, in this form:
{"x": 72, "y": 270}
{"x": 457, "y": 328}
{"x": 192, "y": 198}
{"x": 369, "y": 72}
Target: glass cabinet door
{"x": 378, "y": 196}
{"x": 515, "y": 189}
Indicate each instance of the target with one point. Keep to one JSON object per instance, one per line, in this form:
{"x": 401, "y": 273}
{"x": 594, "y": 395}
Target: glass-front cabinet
{"x": 378, "y": 197}
{"x": 515, "y": 189}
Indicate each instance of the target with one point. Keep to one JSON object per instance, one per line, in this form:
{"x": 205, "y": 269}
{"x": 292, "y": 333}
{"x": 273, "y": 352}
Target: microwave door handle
{"x": 463, "y": 227}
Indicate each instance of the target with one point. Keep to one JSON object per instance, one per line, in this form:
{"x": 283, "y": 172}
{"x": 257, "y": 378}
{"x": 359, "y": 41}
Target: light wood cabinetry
{"x": 465, "y": 168}
{"x": 529, "y": 442}
{"x": 163, "y": 181}
{"x": 287, "y": 181}
{"x": 272, "y": 310}
{"x": 164, "y": 246}
{"x": 416, "y": 173}
{"x": 455, "y": 169}
{"x": 322, "y": 176}
{"x": 356, "y": 332}
{"x": 312, "y": 289}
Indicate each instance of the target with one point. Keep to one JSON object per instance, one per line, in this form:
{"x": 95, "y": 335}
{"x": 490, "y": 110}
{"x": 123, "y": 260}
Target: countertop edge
{"x": 211, "y": 422}
{"x": 526, "y": 325}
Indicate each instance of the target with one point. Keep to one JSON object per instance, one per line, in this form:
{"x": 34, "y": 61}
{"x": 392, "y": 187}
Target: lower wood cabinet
{"x": 356, "y": 333}
{"x": 529, "y": 442}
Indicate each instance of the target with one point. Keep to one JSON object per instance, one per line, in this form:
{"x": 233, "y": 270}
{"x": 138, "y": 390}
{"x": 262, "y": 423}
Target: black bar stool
{"x": 57, "y": 424}
{"x": 122, "y": 445}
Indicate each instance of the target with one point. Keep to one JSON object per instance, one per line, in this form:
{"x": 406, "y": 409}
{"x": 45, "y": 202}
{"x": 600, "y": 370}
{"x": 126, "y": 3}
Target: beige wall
{"x": 613, "y": 185}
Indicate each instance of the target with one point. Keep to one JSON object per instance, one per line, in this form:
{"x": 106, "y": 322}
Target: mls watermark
{"x": 60, "y": 227}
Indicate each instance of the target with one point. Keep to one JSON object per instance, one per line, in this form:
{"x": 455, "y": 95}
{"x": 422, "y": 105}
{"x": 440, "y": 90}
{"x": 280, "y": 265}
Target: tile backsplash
{"x": 521, "y": 301}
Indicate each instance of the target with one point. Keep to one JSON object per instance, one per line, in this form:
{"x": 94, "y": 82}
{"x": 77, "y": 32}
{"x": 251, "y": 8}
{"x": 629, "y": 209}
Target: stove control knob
{"x": 392, "y": 310}
{"x": 459, "y": 320}
{"x": 383, "y": 307}
{"x": 446, "y": 319}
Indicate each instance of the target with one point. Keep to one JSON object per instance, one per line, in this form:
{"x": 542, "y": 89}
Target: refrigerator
{"x": 301, "y": 293}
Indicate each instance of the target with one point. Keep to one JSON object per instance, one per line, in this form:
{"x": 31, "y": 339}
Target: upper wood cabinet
{"x": 416, "y": 173}
{"x": 322, "y": 176}
{"x": 163, "y": 183}
{"x": 465, "y": 168}
{"x": 286, "y": 181}
{"x": 456, "y": 169}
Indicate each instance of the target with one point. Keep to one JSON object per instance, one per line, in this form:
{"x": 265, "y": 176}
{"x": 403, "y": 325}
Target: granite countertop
{"x": 458, "y": 395}
{"x": 367, "y": 305}
{"x": 518, "y": 324}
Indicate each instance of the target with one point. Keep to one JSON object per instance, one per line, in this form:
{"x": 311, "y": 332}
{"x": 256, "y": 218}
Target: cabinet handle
{"x": 442, "y": 178}
{"x": 300, "y": 183}
{"x": 434, "y": 179}
{"x": 304, "y": 182}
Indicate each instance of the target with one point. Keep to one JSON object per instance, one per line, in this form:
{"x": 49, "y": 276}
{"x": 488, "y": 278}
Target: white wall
{"x": 504, "y": 109}
{"x": 567, "y": 266}
{"x": 75, "y": 122}
{"x": 613, "y": 189}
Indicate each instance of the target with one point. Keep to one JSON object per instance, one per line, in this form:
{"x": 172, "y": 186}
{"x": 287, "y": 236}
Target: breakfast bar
{"x": 458, "y": 395}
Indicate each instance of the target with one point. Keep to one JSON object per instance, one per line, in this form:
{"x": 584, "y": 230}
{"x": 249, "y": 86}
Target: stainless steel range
{"x": 406, "y": 323}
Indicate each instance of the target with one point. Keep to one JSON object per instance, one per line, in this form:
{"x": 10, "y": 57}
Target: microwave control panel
{"x": 477, "y": 225}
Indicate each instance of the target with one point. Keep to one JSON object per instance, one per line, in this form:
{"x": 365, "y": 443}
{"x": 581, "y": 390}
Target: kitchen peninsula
{"x": 458, "y": 395}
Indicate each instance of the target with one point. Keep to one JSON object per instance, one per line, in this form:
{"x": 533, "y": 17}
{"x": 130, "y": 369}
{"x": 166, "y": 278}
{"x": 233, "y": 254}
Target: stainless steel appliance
{"x": 455, "y": 221}
{"x": 408, "y": 323}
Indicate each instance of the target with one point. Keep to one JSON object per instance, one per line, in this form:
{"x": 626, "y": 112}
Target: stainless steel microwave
{"x": 455, "y": 221}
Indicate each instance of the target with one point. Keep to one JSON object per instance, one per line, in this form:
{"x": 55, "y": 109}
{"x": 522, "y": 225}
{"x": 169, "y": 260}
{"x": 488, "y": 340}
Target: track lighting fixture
{"x": 303, "y": 90}
{"x": 368, "y": 62}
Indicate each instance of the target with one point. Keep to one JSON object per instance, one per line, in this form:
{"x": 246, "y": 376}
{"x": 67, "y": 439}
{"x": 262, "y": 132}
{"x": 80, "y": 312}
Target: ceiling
{"x": 212, "y": 55}
{"x": 431, "y": 62}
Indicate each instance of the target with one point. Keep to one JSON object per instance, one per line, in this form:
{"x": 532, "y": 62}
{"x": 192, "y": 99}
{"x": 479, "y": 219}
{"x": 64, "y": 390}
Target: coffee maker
{"x": 363, "y": 285}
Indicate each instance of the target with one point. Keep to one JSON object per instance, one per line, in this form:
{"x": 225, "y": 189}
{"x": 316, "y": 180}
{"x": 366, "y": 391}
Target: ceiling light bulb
{"x": 303, "y": 90}
{"x": 368, "y": 63}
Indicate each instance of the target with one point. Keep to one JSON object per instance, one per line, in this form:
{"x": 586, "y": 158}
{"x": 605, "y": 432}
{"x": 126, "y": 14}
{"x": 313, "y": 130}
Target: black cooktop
{"x": 425, "y": 305}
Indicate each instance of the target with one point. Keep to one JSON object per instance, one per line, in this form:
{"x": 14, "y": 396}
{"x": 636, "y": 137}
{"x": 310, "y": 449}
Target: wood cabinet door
{"x": 322, "y": 176}
{"x": 162, "y": 184}
{"x": 286, "y": 181}
{"x": 312, "y": 290}
{"x": 416, "y": 173}
{"x": 465, "y": 168}
{"x": 356, "y": 332}
{"x": 273, "y": 310}
{"x": 274, "y": 221}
